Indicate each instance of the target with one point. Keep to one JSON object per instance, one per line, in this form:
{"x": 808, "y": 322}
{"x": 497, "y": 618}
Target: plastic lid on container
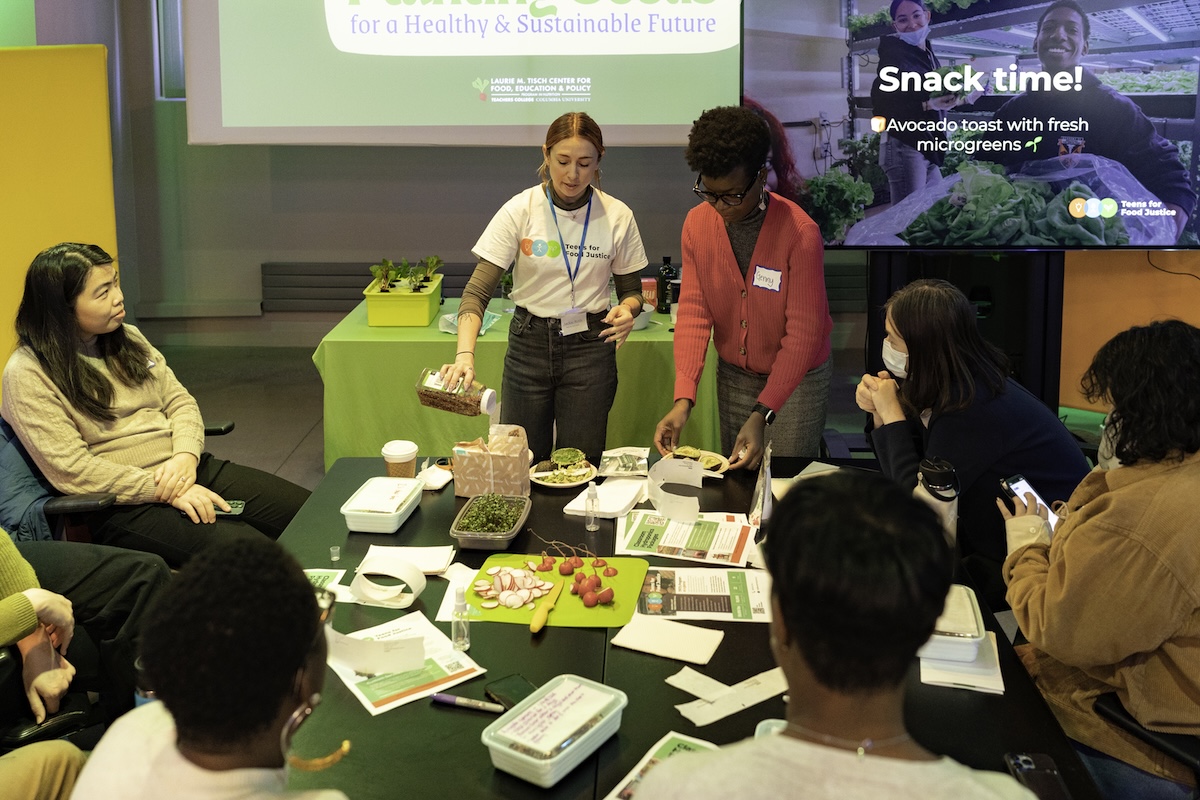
{"x": 487, "y": 401}
{"x": 400, "y": 450}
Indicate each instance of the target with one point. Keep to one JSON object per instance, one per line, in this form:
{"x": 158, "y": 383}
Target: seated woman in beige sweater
{"x": 99, "y": 411}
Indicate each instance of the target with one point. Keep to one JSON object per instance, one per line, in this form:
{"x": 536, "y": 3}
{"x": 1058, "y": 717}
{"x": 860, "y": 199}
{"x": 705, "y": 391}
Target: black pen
{"x": 467, "y": 702}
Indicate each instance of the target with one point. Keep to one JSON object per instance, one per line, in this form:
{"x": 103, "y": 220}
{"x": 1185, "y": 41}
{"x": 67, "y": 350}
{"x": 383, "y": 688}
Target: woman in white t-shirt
{"x": 563, "y": 239}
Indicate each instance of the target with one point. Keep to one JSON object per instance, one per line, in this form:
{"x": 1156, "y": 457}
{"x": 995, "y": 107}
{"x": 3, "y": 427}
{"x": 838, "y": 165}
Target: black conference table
{"x": 422, "y": 748}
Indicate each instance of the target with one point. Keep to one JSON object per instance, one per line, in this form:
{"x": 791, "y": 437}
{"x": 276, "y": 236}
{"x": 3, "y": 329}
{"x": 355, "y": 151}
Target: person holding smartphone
{"x": 947, "y": 394}
{"x": 1111, "y": 603}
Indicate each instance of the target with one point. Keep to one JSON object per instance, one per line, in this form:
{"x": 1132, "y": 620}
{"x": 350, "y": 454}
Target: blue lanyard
{"x": 579, "y": 255}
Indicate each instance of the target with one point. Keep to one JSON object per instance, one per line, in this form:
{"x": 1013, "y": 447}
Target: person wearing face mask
{"x": 947, "y": 394}
{"x": 753, "y": 282}
{"x": 1109, "y": 603}
{"x": 563, "y": 240}
{"x": 908, "y": 167}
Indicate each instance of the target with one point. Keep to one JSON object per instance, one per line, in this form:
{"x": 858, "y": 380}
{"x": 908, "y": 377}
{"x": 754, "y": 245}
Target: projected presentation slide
{"x": 455, "y": 71}
{"x": 1006, "y": 125}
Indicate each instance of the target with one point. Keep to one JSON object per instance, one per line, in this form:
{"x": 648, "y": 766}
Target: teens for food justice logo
{"x": 540, "y": 247}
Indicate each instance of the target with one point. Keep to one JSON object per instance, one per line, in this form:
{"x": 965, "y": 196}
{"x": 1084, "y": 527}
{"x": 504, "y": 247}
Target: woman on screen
{"x": 563, "y": 239}
{"x": 908, "y": 165}
{"x": 99, "y": 410}
{"x": 753, "y": 281}
{"x": 946, "y": 394}
{"x": 1109, "y": 603}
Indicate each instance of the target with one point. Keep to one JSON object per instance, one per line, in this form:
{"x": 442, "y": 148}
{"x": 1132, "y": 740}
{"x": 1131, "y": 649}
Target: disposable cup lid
{"x": 400, "y": 450}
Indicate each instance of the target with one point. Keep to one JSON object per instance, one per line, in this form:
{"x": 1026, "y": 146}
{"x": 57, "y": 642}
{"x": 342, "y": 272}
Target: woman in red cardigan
{"x": 753, "y": 279}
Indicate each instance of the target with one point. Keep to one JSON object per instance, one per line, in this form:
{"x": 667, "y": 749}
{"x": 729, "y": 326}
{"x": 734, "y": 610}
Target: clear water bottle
{"x": 460, "y": 622}
{"x": 937, "y": 485}
{"x": 591, "y": 507}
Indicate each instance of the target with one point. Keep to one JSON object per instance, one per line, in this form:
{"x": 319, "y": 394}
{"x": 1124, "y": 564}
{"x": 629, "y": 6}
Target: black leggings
{"x": 158, "y": 528}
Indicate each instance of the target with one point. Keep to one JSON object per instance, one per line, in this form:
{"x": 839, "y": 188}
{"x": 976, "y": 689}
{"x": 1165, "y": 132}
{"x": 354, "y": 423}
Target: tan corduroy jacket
{"x": 1113, "y": 604}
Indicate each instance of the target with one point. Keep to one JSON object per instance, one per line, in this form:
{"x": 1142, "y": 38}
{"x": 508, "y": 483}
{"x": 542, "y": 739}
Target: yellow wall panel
{"x": 56, "y": 181}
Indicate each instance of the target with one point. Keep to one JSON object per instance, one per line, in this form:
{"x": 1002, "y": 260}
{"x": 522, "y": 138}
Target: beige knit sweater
{"x": 79, "y": 454}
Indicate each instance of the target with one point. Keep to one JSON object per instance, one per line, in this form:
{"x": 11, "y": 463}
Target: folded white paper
{"x": 684, "y": 472}
{"x": 457, "y": 574}
{"x": 981, "y": 675}
{"x": 375, "y": 656}
{"x": 698, "y": 684}
{"x": 669, "y": 639}
{"x": 370, "y": 593}
{"x": 430, "y": 560}
{"x": 616, "y": 497}
{"x": 749, "y": 692}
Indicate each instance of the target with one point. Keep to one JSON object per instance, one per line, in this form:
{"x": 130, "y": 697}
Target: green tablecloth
{"x": 370, "y": 377}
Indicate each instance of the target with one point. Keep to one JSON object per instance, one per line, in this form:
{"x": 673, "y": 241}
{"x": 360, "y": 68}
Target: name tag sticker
{"x": 574, "y": 320}
{"x": 767, "y": 278}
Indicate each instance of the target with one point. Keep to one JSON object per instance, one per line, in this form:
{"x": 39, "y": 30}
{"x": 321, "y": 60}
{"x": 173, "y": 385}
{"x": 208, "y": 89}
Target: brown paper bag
{"x": 499, "y": 467}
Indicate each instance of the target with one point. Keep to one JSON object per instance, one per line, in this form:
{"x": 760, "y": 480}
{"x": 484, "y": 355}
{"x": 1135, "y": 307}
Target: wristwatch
{"x": 767, "y": 413}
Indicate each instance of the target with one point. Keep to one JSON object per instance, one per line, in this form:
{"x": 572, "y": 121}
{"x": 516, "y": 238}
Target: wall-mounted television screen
{"x": 984, "y": 124}
{"x": 454, "y": 72}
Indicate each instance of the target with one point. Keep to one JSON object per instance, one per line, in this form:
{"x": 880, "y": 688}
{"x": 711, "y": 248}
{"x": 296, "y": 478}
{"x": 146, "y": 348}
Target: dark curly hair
{"x": 726, "y": 138}
{"x": 1151, "y": 376}
{"x": 223, "y": 643}
{"x": 46, "y": 324}
{"x": 861, "y": 570}
{"x": 946, "y": 352}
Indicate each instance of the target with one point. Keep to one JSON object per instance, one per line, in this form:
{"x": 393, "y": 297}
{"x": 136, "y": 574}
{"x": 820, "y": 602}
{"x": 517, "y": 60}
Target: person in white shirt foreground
{"x": 235, "y": 650}
{"x": 860, "y": 573}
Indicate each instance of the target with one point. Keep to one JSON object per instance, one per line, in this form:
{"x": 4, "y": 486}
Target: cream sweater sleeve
{"x": 52, "y": 432}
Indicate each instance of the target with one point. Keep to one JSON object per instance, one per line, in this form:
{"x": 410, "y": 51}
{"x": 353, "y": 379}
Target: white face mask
{"x": 895, "y": 361}
{"x": 915, "y": 38}
{"x": 1105, "y": 454}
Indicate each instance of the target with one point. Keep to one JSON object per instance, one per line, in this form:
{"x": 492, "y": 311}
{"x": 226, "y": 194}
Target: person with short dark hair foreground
{"x": 1112, "y": 602}
{"x": 860, "y": 573}
{"x": 235, "y": 650}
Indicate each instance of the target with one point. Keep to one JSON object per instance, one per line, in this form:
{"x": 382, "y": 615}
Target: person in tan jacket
{"x": 1110, "y": 600}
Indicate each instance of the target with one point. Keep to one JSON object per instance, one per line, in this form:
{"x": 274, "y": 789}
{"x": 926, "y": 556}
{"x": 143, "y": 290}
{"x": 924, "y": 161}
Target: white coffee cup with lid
{"x": 401, "y": 458}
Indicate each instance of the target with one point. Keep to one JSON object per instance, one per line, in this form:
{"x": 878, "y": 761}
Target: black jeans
{"x": 110, "y": 590}
{"x": 271, "y": 502}
{"x": 550, "y": 378}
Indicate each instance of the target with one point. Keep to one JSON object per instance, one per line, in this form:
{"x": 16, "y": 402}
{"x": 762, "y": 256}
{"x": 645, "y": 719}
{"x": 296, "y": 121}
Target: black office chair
{"x": 1182, "y": 747}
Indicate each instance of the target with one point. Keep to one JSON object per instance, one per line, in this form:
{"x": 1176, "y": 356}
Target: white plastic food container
{"x": 382, "y": 504}
{"x": 959, "y": 631}
{"x": 552, "y": 731}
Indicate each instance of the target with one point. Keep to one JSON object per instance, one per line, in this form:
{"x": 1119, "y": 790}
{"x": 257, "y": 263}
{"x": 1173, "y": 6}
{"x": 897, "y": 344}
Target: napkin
{"x": 617, "y": 496}
{"x": 662, "y": 637}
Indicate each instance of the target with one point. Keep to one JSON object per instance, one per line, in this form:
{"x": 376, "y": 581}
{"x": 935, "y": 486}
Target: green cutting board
{"x": 569, "y": 611}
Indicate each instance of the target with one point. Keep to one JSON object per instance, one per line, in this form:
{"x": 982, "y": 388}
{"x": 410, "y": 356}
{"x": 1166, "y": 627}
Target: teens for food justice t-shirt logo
{"x": 540, "y": 247}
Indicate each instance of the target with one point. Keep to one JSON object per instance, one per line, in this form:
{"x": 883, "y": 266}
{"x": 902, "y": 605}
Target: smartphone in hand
{"x": 1017, "y": 486}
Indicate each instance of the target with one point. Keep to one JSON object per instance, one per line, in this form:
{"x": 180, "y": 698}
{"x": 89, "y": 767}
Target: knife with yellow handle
{"x": 542, "y": 612}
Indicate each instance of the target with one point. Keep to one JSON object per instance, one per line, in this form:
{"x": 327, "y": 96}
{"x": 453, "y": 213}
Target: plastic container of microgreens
{"x": 481, "y": 540}
{"x": 552, "y": 731}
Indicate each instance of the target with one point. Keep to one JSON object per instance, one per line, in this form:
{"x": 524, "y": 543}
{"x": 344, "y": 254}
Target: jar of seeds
{"x": 467, "y": 399}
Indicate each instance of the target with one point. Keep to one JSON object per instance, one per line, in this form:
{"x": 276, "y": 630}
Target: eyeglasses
{"x": 728, "y": 198}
